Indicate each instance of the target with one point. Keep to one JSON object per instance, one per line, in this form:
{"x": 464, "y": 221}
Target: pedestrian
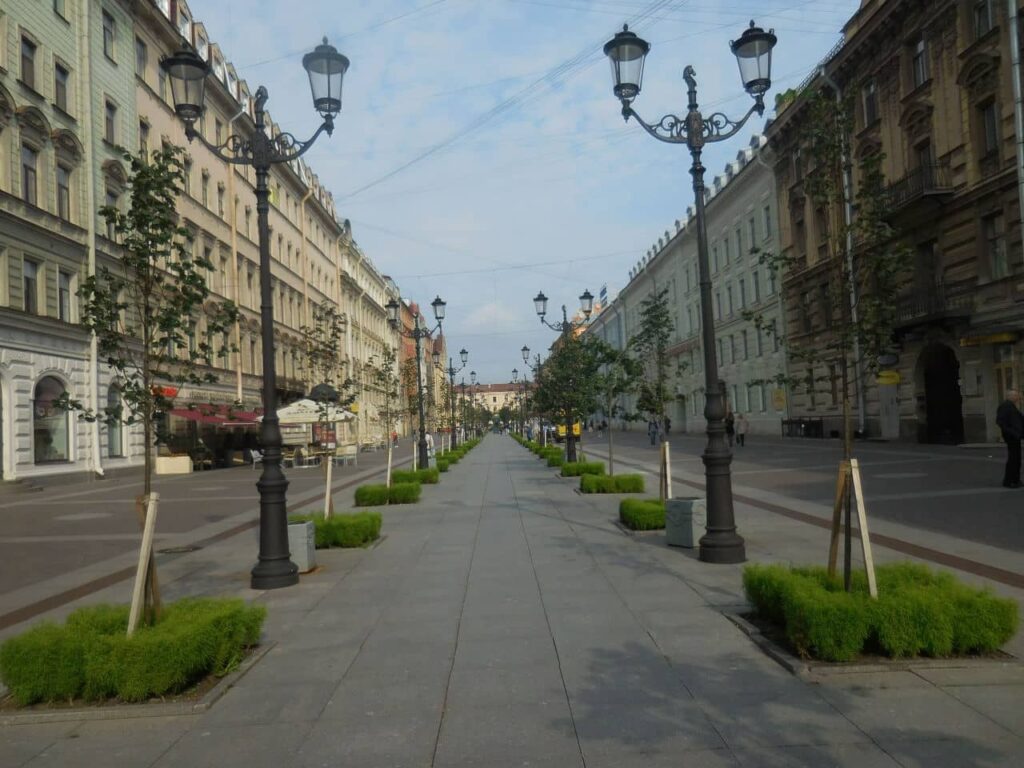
{"x": 730, "y": 427}
{"x": 742, "y": 425}
{"x": 1011, "y": 424}
{"x": 394, "y": 438}
{"x": 668, "y": 425}
{"x": 652, "y": 430}
{"x": 430, "y": 449}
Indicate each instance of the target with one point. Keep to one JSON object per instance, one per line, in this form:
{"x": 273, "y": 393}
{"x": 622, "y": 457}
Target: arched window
{"x": 50, "y": 436}
{"x": 115, "y": 429}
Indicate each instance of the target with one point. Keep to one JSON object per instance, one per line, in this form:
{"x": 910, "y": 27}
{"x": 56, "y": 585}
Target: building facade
{"x": 68, "y": 111}
{"x": 740, "y": 214}
{"x": 932, "y": 88}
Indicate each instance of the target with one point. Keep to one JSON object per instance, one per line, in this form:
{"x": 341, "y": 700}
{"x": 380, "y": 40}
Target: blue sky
{"x": 480, "y": 153}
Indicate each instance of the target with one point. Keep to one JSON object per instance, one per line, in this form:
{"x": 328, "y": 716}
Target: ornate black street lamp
{"x": 566, "y": 328}
{"x": 451, "y": 370}
{"x": 753, "y": 51}
{"x": 418, "y": 333}
{"x": 187, "y": 73}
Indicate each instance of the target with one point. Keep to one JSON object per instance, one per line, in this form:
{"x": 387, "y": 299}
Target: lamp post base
{"x": 274, "y": 574}
{"x": 723, "y": 547}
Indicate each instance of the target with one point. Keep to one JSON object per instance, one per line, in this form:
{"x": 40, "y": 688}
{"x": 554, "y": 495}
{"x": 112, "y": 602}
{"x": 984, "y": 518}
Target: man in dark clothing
{"x": 1011, "y": 423}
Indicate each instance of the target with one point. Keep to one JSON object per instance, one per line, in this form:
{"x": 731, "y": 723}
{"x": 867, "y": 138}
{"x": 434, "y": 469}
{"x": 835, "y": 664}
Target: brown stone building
{"x": 932, "y": 87}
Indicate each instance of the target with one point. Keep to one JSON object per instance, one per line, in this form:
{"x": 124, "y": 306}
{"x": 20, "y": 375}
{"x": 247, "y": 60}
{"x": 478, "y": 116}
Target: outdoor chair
{"x": 257, "y": 457}
{"x": 345, "y": 454}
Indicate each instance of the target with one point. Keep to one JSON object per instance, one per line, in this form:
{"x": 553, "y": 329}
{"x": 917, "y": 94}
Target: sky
{"x": 480, "y": 153}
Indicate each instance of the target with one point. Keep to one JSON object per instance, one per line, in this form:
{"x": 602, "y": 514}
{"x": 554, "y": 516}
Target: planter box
{"x": 684, "y": 521}
{"x": 302, "y": 544}
{"x": 173, "y": 465}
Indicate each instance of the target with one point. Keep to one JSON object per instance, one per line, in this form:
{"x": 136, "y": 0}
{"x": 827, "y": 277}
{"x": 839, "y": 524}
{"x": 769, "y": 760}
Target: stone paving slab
{"x": 506, "y": 621}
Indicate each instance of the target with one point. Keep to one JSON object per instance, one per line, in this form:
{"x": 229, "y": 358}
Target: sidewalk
{"x": 506, "y": 621}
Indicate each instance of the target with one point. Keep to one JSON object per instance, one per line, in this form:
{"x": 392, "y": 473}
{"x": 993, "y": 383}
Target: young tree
{"x": 618, "y": 375}
{"x": 385, "y": 380}
{"x": 865, "y": 262}
{"x": 649, "y": 347}
{"x": 154, "y": 322}
{"x": 330, "y": 392}
{"x": 566, "y": 385}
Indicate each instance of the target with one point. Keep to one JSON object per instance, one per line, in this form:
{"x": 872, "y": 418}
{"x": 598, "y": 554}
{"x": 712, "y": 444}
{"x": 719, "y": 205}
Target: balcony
{"x": 931, "y": 181}
{"x": 924, "y": 304}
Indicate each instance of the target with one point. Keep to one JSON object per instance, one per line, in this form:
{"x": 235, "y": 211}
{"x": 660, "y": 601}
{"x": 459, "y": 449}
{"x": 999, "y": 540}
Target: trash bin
{"x": 685, "y": 519}
{"x": 302, "y": 543}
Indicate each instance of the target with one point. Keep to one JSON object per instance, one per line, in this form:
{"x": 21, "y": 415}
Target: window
{"x": 110, "y": 200}
{"x": 718, "y": 305}
{"x": 758, "y": 342}
{"x": 989, "y": 122}
{"x": 743, "y": 293}
{"x": 58, "y": 8}
{"x": 248, "y": 221}
{"x": 826, "y": 304}
{"x": 161, "y": 80}
{"x": 995, "y": 245}
{"x": 923, "y": 154}
{"x": 714, "y": 260}
{"x": 755, "y": 279}
{"x": 64, "y": 296}
{"x": 115, "y": 436}
{"x": 721, "y": 358}
{"x": 110, "y": 122}
{"x": 143, "y": 139}
{"x": 732, "y": 348}
{"x": 753, "y": 232}
{"x": 771, "y": 282}
{"x": 28, "y": 62}
{"x": 746, "y": 346}
{"x": 833, "y": 382}
{"x": 30, "y": 286}
{"x": 141, "y": 58}
{"x": 49, "y": 422}
{"x": 109, "y": 35}
{"x": 983, "y": 17}
{"x": 919, "y": 62}
{"x": 64, "y": 192}
{"x": 218, "y": 131}
{"x": 725, "y": 244}
{"x": 205, "y": 189}
{"x": 739, "y": 242}
{"x": 728, "y": 296}
{"x": 220, "y": 200}
{"x": 60, "y": 87}
{"x": 805, "y": 311}
{"x": 870, "y": 98}
{"x": 29, "y": 161}
{"x": 776, "y": 341}
{"x": 186, "y": 171}
{"x": 767, "y": 222}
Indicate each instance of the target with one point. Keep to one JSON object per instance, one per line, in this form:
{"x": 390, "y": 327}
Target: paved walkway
{"x": 505, "y": 621}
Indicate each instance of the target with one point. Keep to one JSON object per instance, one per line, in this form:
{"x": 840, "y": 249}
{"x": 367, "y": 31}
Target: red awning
{"x": 201, "y": 417}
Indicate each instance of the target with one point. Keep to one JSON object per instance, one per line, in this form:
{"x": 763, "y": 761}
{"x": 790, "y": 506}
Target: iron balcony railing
{"x": 923, "y": 181}
{"x": 933, "y": 301}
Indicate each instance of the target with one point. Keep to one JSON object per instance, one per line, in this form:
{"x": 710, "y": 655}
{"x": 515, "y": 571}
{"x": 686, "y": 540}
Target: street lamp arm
{"x": 694, "y": 129}
{"x": 260, "y": 149}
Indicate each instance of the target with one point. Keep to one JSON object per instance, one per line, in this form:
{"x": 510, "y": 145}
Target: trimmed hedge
{"x": 442, "y": 465}
{"x": 919, "y": 612}
{"x": 612, "y": 483}
{"x": 429, "y": 476}
{"x": 642, "y": 514}
{"x": 577, "y": 468}
{"x": 398, "y": 493}
{"x": 90, "y": 657}
{"x": 355, "y": 530}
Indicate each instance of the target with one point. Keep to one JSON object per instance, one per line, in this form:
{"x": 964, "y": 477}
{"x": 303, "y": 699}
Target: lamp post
{"x": 753, "y": 51}
{"x": 451, "y": 370}
{"x": 417, "y": 334}
{"x": 566, "y": 328}
{"x": 326, "y": 69}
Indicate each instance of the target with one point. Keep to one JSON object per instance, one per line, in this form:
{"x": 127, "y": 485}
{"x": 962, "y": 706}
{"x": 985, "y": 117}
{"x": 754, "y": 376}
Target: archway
{"x": 938, "y": 378}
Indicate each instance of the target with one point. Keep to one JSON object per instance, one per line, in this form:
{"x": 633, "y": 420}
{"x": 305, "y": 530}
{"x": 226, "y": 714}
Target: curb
{"x": 146, "y": 709}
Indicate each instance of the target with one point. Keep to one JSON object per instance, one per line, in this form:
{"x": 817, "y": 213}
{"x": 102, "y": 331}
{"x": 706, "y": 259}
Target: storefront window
{"x": 49, "y": 422}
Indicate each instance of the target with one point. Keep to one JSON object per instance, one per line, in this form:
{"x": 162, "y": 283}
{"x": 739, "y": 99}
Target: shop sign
{"x": 992, "y": 338}
{"x": 888, "y": 377}
{"x": 779, "y": 399}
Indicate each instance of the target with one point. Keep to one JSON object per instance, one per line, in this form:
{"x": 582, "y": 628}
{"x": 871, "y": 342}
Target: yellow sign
{"x": 354, "y": 407}
{"x": 888, "y": 377}
{"x": 779, "y": 399}
{"x": 992, "y": 338}
{"x": 575, "y": 430}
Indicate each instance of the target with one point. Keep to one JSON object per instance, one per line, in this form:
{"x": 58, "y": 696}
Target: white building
{"x": 741, "y": 220}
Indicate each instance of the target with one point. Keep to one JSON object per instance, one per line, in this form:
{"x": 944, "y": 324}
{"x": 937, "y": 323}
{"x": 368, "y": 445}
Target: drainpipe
{"x": 1018, "y": 102}
{"x": 234, "y": 263}
{"x": 848, "y": 220}
{"x": 90, "y": 225}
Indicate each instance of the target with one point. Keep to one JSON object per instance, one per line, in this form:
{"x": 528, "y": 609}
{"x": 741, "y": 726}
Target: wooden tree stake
{"x": 145, "y": 554}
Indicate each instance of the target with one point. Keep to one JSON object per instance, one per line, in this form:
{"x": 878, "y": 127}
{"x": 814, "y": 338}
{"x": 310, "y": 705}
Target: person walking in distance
{"x": 1011, "y": 424}
{"x": 730, "y": 427}
{"x": 652, "y": 431}
{"x": 742, "y": 425}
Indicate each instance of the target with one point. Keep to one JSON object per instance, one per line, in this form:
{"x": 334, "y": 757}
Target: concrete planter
{"x": 173, "y": 465}
{"x": 302, "y": 544}
{"x": 684, "y": 521}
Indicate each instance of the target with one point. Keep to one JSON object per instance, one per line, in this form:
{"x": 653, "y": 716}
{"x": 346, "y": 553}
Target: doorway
{"x": 939, "y": 373}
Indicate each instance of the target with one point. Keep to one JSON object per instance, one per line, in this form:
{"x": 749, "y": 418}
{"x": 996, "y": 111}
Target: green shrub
{"x": 642, "y": 514}
{"x": 345, "y": 530}
{"x": 442, "y": 465}
{"x": 918, "y": 612}
{"x": 577, "y": 468}
{"x": 555, "y": 461}
{"x": 91, "y": 657}
{"x": 404, "y": 493}
{"x": 612, "y": 483}
{"x": 429, "y": 476}
{"x": 371, "y": 495}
